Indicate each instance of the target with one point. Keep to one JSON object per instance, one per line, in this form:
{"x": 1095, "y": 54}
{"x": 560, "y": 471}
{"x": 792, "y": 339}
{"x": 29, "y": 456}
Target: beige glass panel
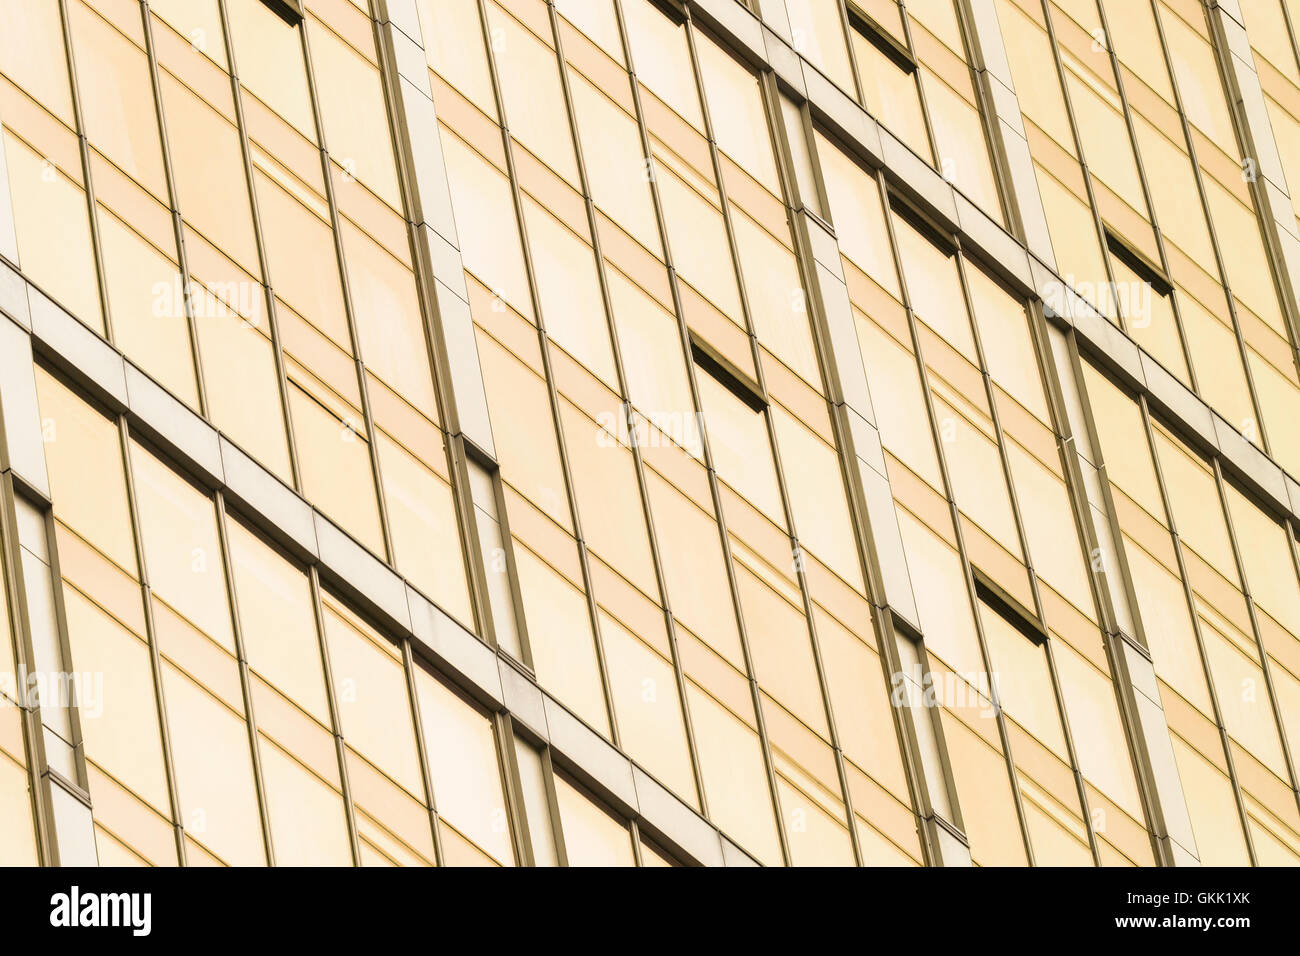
{"x": 181, "y": 549}
{"x": 537, "y": 803}
{"x": 597, "y": 19}
{"x": 891, "y": 95}
{"x": 817, "y": 498}
{"x": 119, "y": 718}
{"x": 939, "y": 582}
{"x": 697, "y": 237}
{"x": 277, "y": 621}
{"x": 146, "y": 299}
{"x": 74, "y": 433}
{"x": 1168, "y": 627}
{"x": 662, "y": 59}
{"x": 308, "y": 822}
{"x": 609, "y": 499}
{"x": 1029, "y": 53}
{"x": 780, "y": 648}
{"x": 353, "y": 112}
{"x": 32, "y": 53}
{"x": 731, "y": 762}
{"x": 426, "y": 534}
{"x": 816, "y": 837}
{"x": 453, "y": 45}
{"x": 1077, "y": 249}
{"x": 1124, "y": 445}
{"x": 736, "y": 112}
{"x": 962, "y": 148}
{"x": 818, "y": 34}
{"x": 559, "y": 635}
{"x": 1096, "y": 728}
{"x": 617, "y": 172}
{"x": 530, "y": 88}
{"x": 984, "y": 791}
{"x": 485, "y": 223}
{"x": 859, "y": 217}
{"x": 389, "y": 323}
{"x": 117, "y": 104}
{"x": 1007, "y": 343}
{"x": 742, "y": 454}
{"x": 243, "y": 391}
{"x": 370, "y": 691}
{"x": 463, "y": 767}
{"x": 569, "y": 291}
{"x": 1181, "y": 219}
{"x": 591, "y": 836}
{"x": 301, "y": 259}
{"x": 903, "y": 420}
{"x": 1134, "y": 38}
{"x": 978, "y": 481}
{"x": 693, "y": 568}
{"x": 208, "y": 165}
{"x": 198, "y": 21}
{"x": 1149, "y": 317}
{"x": 1248, "y": 265}
{"x": 1199, "y": 83}
{"x": 1216, "y": 823}
{"x": 933, "y": 287}
{"x": 651, "y": 343}
{"x": 1099, "y": 114}
{"x": 214, "y": 772}
{"x": 18, "y": 848}
{"x": 523, "y": 430}
{"x": 336, "y": 471}
{"x": 53, "y": 230}
{"x": 1023, "y": 680}
{"x": 1048, "y": 520}
{"x": 1266, "y": 555}
{"x": 649, "y": 710}
{"x": 1194, "y": 503}
{"x": 777, "y": 304}
{"x": 268, "y": 57}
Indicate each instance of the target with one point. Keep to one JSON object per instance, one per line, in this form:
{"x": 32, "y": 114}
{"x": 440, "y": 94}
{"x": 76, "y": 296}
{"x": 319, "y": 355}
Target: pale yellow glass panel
{"x": 591, "y": 836}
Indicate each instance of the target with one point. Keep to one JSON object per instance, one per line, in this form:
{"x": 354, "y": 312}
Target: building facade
{"x": 650, "y": 432}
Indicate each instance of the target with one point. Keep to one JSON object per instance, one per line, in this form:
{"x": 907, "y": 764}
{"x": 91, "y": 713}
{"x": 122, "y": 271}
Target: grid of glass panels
{"x": 666, "y": 535}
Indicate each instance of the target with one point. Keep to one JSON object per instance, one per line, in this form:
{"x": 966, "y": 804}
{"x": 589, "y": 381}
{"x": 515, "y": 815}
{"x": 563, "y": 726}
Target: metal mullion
{"x": 245, "y": 679}
{"x": 33, "y": 728}
{"x": 1258, "y": 634}
{"x": 1023, "y": 537}
{"x": 733, "y": 249}
{"x": 455, "y": 450}
{"x": 955, "y": 516}
{"x": 354, "y": 335}
{"x": 408, "y": 668}
{"x": 637, "y": 457}
{"x": 689, "y": 362}
{"x": 1241, "y": 126}
{"x": 846, "y": 26}
{"x": 714, "y": 490}
{"x": 882, "y": 620}
{"x": 340, "y": 745}
{"x": 930, "y": 136}
{"x": 987, "y": 114}
{"x": 1147, "y": 198}
{"x": 512, "y": 788}
{"x": 1190, "y": 140}
{"x": 553, "y": 805}
{"x": 1081, "y": 509}
{"x": 178, "y": 228}
{"x": 83, "y": 146}
{"x": 1081, "y": 156}
{"x": 273, "y": 325}
{"x": 772, "y": 112}
{"x": 553, "y": 396}
{"x": 1190, "y": 597}
{"x": 151, "y": 635}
